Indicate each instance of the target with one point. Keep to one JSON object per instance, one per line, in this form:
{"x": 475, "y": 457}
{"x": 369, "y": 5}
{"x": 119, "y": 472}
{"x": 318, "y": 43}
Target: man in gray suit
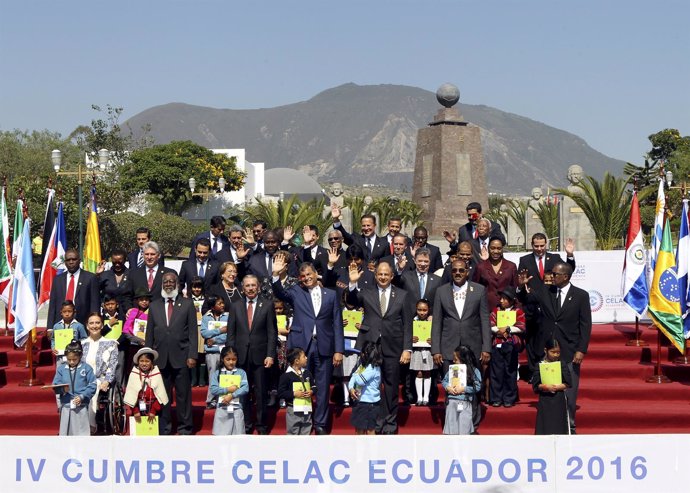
{"x": 461, "y": 317}
{"x": 388, "y": 321}
{"x": 171, "y": 330}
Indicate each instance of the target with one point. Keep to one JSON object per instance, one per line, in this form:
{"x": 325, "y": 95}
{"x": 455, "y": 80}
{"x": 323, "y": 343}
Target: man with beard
{"x": 171, "y": 330}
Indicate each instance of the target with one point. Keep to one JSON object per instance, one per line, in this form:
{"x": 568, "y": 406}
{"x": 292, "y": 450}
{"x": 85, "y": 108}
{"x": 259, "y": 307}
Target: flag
{"x": 658, "y": 231}
{"x": 92, "y": 245}
{"x": 24, "y": 289}
{"x": 664, "y": 296}
{"x": 5, "y": 252}
{"x": 16, "y": 240}
{"x": 683, "y": 265}
{"x": 54, "y": 260}
{"x": 635, "y": 289}
{"x": 48, "y": 223}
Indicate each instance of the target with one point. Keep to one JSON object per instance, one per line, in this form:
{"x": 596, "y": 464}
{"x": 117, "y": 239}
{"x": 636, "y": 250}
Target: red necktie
{"x": 170, "y": 310}
{"x": 475, "y": 234}
{"x": 391, "y": 245}
{"x": 541, "y": 269}
{"x": 250, "y": 313}
{"x": 70, "y": 289}
{"x": 150, "y": 281}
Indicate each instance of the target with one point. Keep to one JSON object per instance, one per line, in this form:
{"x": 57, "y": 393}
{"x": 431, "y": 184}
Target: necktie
{"x": 150, "y": 280}
{"x": 140, "y": 259}
{"x": 391, "y": 246}
{"x": 541, "y": 269}
{"x": 369, "y": 244}
{"x": 558, "y": 299}
{"x": 382, "y": 301}
{"x": 475, "y": 235}
{"x": 201, "y": 270}
{"x": 250, "y": 313}
{"x": 170, "y": 310}
{"x": 214, "y": 247}
{"x": 483, "y": 247}
{"x": 269, "y": 264}
{"x": 422, "y": 285}
{"x": 70, "y": 289}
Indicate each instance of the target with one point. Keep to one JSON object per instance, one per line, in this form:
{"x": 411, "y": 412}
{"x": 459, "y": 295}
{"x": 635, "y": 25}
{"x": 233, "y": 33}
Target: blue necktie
{"x": 201, "y": 270}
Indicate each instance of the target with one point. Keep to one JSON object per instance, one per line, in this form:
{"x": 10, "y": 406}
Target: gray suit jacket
{"x": 450, "y": 330}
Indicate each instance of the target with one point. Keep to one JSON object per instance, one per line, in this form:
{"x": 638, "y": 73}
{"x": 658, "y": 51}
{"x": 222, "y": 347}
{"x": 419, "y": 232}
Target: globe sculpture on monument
{"x": 449, "y": 168}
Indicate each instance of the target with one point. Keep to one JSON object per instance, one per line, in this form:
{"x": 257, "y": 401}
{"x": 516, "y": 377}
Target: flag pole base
{"x": 681, "y": 360}
{"x": 658, "y": 379}
{"x": 31, "y": 382}
{"x": 637, "y": 343}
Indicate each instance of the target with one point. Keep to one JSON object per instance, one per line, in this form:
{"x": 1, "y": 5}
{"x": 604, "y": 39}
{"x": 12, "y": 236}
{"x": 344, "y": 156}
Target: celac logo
{"x": 596, "y": 300}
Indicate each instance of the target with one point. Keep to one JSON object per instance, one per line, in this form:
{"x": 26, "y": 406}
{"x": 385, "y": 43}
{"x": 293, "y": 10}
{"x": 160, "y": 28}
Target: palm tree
{"x": 290, "y": 212}
{"x": 357, "y": 207}
{"x": 517, "y": 211}
{"x": 607, "y": 206}
{"x": 548, "y": 216}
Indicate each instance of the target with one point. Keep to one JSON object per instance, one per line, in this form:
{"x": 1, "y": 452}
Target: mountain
{"x": 367, "y": 134}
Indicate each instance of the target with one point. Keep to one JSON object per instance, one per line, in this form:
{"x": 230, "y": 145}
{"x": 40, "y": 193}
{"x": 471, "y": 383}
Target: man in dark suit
{"x": 374, "y": 247}
{"x": 259, "y": 229}
{"x": 317, "y": 327}
{"x": 260, "y": 263}
{"x": 311, "y": 251}
{"x": 461, "y": 317}
{"x": 335, "y": 240}
{"x": 419, "y": 240}
{"x": 468, "y": 231}
{"x": 388, "y": 313}
{"x": 401, "y": 260}
{"x": 252, "y": 330}
{"x": 171, "y": 330}
{"x": 201, "y": 266}
{"x": 567, "y": 317}
{"x": 136, "y": 257}
{"x": 149, "y": 277}
{"x": 536, "y": 263}
{"x": 215, "y": 236}
{"x": 76, "y": 285}
{"x": 394, "y": 227}
{"x": 465, "y": 253}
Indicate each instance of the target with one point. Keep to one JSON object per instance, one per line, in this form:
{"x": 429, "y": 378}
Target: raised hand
{"x": 354, "y": 272}
{"x": 333, "y": 256}
{"x": 523, "y": 277}
{"x": 450, "y": 237}
{"x": 242, "y": 251}
{"x": 279, "y": 264}
{"x": 569, "y": 246}
{"x": 288, "y": 233}
{"x": 335, "y": 213}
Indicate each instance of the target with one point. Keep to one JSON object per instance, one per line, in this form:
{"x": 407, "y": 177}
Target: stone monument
{"x": 532, "y": 222}
{"x": 449, "y": 168}
{"x": 337, "y": 198}
{"x": 574, "y": 223}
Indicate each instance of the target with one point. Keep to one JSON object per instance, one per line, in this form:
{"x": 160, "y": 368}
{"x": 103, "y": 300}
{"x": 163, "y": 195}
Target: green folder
{"x": 281, "y": 320}
{"x": 302, "y": 404}
{"x": 353, "y": 317}
{"x": 62, "y": 338}
{"x": 506, "y": 318}
{"x": 226, "y": 381}
{"x": 550, "y": 373}
{"x": 143, "y": 428}
{"x": 421, "y": 329}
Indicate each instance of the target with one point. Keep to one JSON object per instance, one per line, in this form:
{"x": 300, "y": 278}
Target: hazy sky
{"x": 612, "y": 71}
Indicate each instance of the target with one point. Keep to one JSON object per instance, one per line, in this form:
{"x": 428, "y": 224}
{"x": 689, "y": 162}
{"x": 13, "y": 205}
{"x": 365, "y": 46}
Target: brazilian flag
{"x": 664, "y": 293}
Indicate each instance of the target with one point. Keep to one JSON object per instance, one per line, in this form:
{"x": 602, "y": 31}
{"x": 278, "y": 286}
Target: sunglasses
{"x": 461, "y": 271}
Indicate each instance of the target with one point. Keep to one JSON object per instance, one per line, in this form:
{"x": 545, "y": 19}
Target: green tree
{"x": 289, "y": 212}
{"x": 607, "y": 206}
{"x": 164, "y": 172}
{"x": 172, "y": 233}
{"x": 357, "y": 207}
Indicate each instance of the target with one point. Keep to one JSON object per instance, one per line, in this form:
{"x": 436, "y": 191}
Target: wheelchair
{"x": 111, "y": 412}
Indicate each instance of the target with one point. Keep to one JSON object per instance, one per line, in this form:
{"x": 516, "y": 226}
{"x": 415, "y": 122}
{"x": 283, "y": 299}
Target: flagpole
{"x": 32, "y": 381}
{"x": 637, "y": 341}
{"x": 658, "y": 377}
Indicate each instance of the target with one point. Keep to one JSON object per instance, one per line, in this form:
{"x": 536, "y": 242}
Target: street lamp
{"x": 206, "y": 194}
{"x": 82, "y": 171}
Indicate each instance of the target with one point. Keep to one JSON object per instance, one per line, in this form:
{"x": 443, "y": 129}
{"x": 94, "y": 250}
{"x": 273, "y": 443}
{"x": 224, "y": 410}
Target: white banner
{"x": 415, "y": 463}
{"x": 599, "y": 273}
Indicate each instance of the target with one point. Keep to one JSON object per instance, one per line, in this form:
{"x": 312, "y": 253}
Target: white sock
{"x": 419, "y": 386}
{"x": 346, "y": 393}
{"x": 427, "y": 389}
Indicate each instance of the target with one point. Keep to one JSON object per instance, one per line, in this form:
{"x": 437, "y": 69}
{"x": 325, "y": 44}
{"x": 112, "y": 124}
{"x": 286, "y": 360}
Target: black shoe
{"x": 272, "y": 400}
{"x": 283, "y": 404}
{"x": 320, "y": 430}
{"x": 262, "y": 431}
{"x": 496, "y": 404}
{"x": 211, "y": 405}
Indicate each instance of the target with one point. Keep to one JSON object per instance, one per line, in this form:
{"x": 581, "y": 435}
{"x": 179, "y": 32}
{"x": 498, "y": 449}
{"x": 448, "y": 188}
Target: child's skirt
{"x": 364, "y": 415}
{"x": 297, "y": 423}
{"x": 228, "y": 423}
{"x": 74, "y": 422}
{"x": 458, "y": 418}
{"x": 421, "y": 360}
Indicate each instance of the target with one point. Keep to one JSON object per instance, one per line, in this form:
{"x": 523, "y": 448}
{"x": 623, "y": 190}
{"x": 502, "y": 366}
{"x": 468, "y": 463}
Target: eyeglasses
{"x": 461, "y": 271}
{"x": 420, "y": 237}
{"x": 334, "y": 239}
{"x": 554, "y": 274}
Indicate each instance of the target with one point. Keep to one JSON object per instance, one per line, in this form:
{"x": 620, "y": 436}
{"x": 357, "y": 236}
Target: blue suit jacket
{"x": 329, "y": 321}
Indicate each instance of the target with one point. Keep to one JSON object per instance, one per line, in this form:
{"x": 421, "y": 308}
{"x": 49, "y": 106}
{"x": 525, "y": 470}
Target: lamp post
{"x": 82, "y": 171}
{"x": 206, "y": 193}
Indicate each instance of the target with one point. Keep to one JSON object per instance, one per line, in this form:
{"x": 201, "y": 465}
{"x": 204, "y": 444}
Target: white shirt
{"x": 387, "y": 294}
{"x": 459, "y": 295}
{"x": 564, "y": 293}
{"x": 315, "y": 294}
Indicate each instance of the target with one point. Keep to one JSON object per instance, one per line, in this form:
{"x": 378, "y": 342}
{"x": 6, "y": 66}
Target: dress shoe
{"x": 425, "y": 403}
{"x": 508, "y": 404}
{"x": 320, "y": 430}
{"x": 273, "y": 399}
{"x": 496, "y": 404}
{"x": 346, "y": 404}
{"x": 419, "y": 403}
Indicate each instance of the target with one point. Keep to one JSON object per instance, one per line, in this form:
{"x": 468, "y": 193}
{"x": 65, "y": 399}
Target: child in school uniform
{"x": 421, "y": 361}
{"x": 297, "y": 383}
{"x": 214, "y": 330}
{"x": 67, "y": 312}
{"x": 343, "y": 372}
{"x": 77, "y": 386}
{"x": 365, "y": 388}
{"x": 459, "y": 407}
{"x": 229, "y": 418}
{"x": 112, "y": 329}
{"x": 507, "y": 343}
{"x": 552, "y": 408}
{"x": 145, "y": 392}
{"x": 199, "y": 374}
{"x": 281, "y": 348}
